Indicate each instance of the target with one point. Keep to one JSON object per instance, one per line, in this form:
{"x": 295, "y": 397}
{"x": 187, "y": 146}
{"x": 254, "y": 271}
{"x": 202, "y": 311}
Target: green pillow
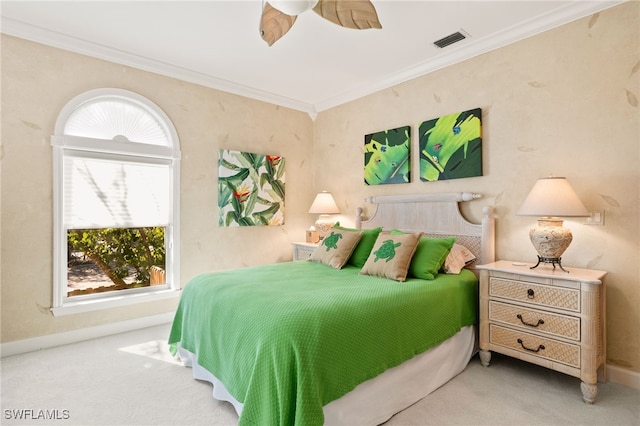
{"x": 363, "y": 249}
{"x": 430, "y": 256}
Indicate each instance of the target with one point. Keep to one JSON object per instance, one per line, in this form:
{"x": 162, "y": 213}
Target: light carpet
{"x": 131, "y": 379}
{"x": 156, "y": 349}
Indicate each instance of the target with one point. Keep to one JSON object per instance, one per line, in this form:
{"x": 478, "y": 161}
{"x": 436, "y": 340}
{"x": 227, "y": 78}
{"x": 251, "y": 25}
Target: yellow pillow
{"x": 336, "y": 248}
{"x": 391, "y": 256}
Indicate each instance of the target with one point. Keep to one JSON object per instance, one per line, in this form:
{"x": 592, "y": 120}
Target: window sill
{"x": 70, "y": 308}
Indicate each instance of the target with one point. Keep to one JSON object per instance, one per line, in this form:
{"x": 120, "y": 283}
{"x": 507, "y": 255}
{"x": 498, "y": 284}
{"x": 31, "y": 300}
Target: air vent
{"x": 450, "y": 39}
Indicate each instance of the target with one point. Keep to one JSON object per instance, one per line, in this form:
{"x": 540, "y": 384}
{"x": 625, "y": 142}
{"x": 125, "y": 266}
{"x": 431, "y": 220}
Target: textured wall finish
{"x": 562, "y": 102}
{"x": 37, "y": 81}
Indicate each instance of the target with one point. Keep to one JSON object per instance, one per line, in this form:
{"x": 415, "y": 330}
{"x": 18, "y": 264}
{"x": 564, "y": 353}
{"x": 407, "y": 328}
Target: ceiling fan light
{"x": 293, "y": 7}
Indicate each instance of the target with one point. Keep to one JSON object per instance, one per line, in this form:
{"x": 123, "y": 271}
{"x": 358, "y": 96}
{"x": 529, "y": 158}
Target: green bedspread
{"x": 287, "y": 339}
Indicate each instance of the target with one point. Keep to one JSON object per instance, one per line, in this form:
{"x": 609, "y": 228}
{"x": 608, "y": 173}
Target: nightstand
{"x": 547, "y": 317}
{"x": 303, "y": 251}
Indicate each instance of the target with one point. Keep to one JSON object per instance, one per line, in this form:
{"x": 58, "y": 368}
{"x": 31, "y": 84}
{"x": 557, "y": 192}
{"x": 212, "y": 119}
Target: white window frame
{"x": 64, "y": 144}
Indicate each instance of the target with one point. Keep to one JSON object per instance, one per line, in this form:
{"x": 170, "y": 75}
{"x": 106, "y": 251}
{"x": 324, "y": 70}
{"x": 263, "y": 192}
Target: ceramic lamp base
{"x": 323, "y": 225}
{"x": 550, "y": 238}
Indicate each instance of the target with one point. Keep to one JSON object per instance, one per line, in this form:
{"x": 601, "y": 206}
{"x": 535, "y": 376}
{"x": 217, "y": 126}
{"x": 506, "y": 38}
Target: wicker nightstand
{"x": 547, "y": 317}
{"x": 302, "y": 251}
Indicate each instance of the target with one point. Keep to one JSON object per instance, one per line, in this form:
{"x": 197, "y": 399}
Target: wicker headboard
{"x": 436, "y": 215}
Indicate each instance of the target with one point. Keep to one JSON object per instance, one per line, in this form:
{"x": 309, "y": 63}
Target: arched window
{"x": 116, "y": 173}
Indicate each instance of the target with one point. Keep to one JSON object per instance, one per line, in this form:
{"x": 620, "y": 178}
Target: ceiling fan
{"x": 278, "y": 16}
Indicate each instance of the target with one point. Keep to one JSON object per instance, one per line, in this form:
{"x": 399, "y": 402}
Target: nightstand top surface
{"x": 545, "y": 270}
{"x": 305, "y": 244}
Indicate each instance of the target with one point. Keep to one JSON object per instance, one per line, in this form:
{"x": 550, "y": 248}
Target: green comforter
{"x": 287, "y": 339}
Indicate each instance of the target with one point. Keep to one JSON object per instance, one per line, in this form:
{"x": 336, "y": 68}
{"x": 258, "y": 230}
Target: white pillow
{"x": 458, "y": 258}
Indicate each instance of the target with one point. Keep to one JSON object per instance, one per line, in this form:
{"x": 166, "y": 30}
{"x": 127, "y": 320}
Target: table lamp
{"x": 324, "y": 205}
{"x": 551, "y": 198}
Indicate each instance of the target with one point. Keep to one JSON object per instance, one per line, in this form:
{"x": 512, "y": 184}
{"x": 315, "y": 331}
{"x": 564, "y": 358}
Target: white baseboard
{"x": 623, "y": 376}
{"x": 59, "y": 339}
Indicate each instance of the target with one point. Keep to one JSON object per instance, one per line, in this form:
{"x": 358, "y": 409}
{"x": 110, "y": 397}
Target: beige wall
{"x": 563, "y": 102}
{"x": 37, "y": 81}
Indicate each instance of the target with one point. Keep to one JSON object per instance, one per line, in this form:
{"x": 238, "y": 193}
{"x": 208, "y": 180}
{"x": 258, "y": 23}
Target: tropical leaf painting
{"x": 386, "y": 156}
{"x": 451, "y": 146}
{"x": 250, "y": 189}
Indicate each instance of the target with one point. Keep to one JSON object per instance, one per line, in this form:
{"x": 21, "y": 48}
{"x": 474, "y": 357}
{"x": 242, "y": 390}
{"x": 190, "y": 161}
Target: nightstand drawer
{"x": 303, "y": 251}
{"x": 533, "y": 319}
{"x": 553, "y": 297}
{"x": 531, "y": 344}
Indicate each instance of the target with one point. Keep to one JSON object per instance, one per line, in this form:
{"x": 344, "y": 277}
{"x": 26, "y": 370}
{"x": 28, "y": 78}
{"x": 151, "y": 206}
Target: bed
{"x": 313, "y": 342}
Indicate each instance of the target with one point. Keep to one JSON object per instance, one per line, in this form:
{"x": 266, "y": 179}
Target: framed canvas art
{"x": 386, "y": 156}
{"x": 250, "y": 189}
{"x": 451, "y": 146}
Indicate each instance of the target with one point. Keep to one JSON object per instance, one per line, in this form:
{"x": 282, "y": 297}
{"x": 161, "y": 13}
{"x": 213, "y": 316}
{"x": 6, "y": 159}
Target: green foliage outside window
{"x": 121, "y": 252}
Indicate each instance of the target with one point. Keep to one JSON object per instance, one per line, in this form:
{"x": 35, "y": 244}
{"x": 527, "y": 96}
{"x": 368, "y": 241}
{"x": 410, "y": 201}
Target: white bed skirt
{"x": 378, "y": 399}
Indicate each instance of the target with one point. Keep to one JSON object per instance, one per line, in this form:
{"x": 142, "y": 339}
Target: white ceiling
{"x": 316, "y": 66}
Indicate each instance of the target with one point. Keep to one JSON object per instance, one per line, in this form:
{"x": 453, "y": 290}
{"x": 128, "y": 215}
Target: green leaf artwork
{"x": 250, "y": 189}
{"x": 451, "y": 146}
{"x": 386, "y": 156}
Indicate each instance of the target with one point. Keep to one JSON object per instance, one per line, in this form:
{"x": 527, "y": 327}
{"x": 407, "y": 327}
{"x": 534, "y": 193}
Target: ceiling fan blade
{"x": 274, "y": 24}
{"x": 356, "y": 14}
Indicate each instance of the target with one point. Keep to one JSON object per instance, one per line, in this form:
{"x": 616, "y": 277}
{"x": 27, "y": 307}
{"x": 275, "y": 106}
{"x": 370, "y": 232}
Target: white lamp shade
{"x": 553, "y": 197}
{"x": 324, "y": 204}
{"x": 293, "y": 7}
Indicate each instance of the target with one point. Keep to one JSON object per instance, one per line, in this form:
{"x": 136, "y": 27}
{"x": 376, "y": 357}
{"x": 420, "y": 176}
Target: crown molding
{"x": 454, "y": 55}
{"x": 62, "y": 41}
{"x": 573, "y": 11}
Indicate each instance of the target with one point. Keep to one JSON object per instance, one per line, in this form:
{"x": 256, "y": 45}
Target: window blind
{"x": 111, "y": 116}
{"x": 101, "y": 191}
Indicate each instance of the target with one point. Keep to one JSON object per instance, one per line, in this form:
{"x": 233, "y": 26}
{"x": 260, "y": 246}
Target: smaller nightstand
{"x": 303, "y": 251}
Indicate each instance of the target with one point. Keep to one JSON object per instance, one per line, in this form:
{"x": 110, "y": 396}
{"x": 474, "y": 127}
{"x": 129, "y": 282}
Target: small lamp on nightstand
{"x": 549, "y": 199}
{"x": 324, "y": 205}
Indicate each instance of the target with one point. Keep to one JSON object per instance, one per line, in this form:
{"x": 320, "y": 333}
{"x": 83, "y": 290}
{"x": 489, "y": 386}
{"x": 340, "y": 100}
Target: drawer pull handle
{"x": 540, "y": 321}
{"x": 529, "y": 349}
{"x": 530, "y": 293}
